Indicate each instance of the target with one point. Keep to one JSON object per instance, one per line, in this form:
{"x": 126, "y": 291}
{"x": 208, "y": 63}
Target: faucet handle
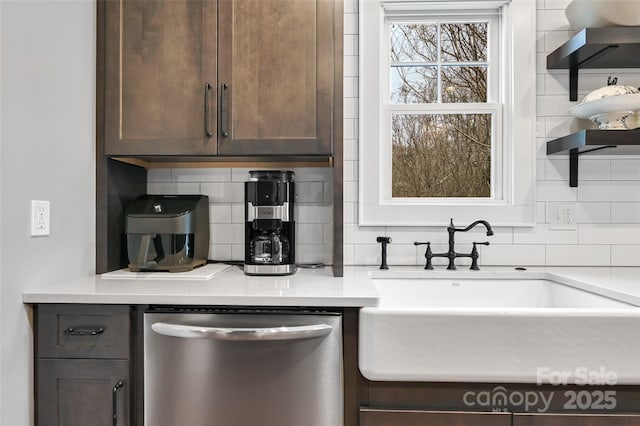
{"x": 475, "y": 255}
{"x": 427, "y": 254}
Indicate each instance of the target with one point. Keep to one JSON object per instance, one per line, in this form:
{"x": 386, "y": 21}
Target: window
{"x": 447, "y": 112}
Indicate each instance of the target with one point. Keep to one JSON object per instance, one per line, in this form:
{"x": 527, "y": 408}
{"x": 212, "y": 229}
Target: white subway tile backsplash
{"x": 552, "y": 20}
{"x": 553, "y": 105}
{"x": 593, "y": 212}
{"x": 609, "y": 191}
{"x": 350, "y": 44}
{"x": 350, "y": 212}
{"x": 159, "y": 175}
{"x": 406, "y": 235}
{"x": 559, "y": 126}
{"x": 558, "y": 169}
{"x": 309, "y": 192}
{"x": 348, "y": 254}
{"x": 350, "y": 149}
{"x": 578, "y": 255}
{"x": 541, "y": 212}
{"x": 556, "y": 4}
{"x": 314, "y": 213}
{"x": 350, "y": 191}
{"x": 220, "y": 213}
{"x": 625, "y": 255}
{"x": 554, "y": 39}
{"x": 541, "y": 234}
{"x": 328, "y": 192}
{"x": 625, "y": 169}
{"x": 350, "y": 106}
{"x": 625, "y": 213}
{"x": 350, "y": 171}
{"x": 354, "y": 234}
{"x": 555, "y": 191}
{"x": 350, "y": 6}
{"x": 309, "y": 233}
{"x": 227, "y": 233}
{"x": 220, "y": 251}
{"x": 223, "y": 192}
{"x": 366, "y": 254}
{"x": 312, "y": 253}
{"x": 613, "y": 234}
{"x": 350, "y": 69}
{"x": 401, "y": 254}
{"x": 237, "y": 252}
{"x": 237, "y": 212}
{"x": 313, "y": 174}
{"x": 201, "y": 175}
{"x": 507, "y": 255}
{"x": 556, "y": 82}
{"x": 350, "y": 23}
{"x": 173, "y": 188}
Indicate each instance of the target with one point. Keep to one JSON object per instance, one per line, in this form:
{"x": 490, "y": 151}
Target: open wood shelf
{"x": 593, "y": 48}
{"x": 609, "y": 142}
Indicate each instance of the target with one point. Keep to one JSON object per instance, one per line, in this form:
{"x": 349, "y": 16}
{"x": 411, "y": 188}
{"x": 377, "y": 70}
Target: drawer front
{"x": 83, "y": 331}
{"x": 381, "y": 417}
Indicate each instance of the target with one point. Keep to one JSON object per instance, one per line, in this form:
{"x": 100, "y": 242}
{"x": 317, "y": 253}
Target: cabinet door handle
{"x": 207, "y": 118}
{"x": 83, "y": 331}
{"x": 223, "y": 105}
{"x": 114, "y": 398}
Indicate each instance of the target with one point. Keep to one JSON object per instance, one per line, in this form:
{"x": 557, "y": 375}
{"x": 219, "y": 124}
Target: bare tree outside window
{"x": 437, "y": 155}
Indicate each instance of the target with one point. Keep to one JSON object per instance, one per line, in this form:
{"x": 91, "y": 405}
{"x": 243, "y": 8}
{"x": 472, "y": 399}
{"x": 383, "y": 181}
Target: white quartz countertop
{"x": 309, "y": 287}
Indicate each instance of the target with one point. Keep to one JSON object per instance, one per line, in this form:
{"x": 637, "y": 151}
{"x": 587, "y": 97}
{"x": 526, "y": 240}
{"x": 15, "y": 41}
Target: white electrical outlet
{"x": 40, "y": 218}
{"x": 562, "y": 216}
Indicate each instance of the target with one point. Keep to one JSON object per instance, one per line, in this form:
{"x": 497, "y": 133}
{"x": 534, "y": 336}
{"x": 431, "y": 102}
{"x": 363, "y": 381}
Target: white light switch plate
{"x": 40, "y": 218}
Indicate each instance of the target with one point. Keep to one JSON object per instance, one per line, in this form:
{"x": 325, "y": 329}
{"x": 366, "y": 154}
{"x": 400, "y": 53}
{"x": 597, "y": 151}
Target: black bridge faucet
{"x": 451, "y": 254}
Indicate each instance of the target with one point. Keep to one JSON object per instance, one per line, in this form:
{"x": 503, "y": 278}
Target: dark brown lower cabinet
{"x": 83, "y": 392}
{"x": 375, "y": 417}
{"x": 530, "y": 419}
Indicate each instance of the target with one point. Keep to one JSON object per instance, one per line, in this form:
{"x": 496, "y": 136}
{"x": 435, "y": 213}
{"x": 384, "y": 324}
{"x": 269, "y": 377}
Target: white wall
{"x": 47, "y": 153}
{"x": 607, "y": 200}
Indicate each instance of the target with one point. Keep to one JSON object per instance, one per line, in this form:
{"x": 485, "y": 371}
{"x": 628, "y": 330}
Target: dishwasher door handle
{"x": 242, "y": 334}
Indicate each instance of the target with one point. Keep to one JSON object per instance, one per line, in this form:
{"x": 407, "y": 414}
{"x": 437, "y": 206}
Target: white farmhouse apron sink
{"x": 493, "y": 330}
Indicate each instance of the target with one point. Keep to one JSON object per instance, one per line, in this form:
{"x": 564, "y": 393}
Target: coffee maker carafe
{"x": 269, "y": 225}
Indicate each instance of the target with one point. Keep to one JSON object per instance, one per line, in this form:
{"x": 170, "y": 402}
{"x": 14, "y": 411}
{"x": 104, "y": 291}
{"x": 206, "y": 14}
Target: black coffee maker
{"x": 269, "y": 237}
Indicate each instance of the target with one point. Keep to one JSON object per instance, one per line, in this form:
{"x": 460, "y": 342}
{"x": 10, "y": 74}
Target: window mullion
{"x": 439, "y": 71}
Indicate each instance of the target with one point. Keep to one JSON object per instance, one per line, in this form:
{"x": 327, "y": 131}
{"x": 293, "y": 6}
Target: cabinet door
{"x": 160, "y": 77}
{"x": 78, "y": 392}
{"x": 379, "y": 417}
{"x": 276, "y": 65}
{"x": 576, "y": 419}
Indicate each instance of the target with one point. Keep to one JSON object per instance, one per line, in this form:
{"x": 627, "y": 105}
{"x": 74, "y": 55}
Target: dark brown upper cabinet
{"x": 276, "y": 76}
{"x": 160, "y": 77}
{"x": 221, "y": 78}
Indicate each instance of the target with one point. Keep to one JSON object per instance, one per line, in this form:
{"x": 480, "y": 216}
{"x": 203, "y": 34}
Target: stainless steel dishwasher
{"x": 225, "y": 367}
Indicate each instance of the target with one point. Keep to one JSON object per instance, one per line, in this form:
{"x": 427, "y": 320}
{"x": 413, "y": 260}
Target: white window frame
{"x": 513, "y": 141}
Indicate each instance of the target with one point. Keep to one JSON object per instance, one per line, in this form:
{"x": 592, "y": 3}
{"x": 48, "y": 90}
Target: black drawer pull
{"x": 83, "y": 331}
{"x": 207, "y": 118}
{"x": 223, "y": 107}
{"x": 114, "y": 398}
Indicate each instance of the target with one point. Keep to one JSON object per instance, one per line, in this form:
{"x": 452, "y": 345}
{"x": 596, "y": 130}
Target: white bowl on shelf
{"x": 602, "y": 13}
{"x": 608, "y": 113}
